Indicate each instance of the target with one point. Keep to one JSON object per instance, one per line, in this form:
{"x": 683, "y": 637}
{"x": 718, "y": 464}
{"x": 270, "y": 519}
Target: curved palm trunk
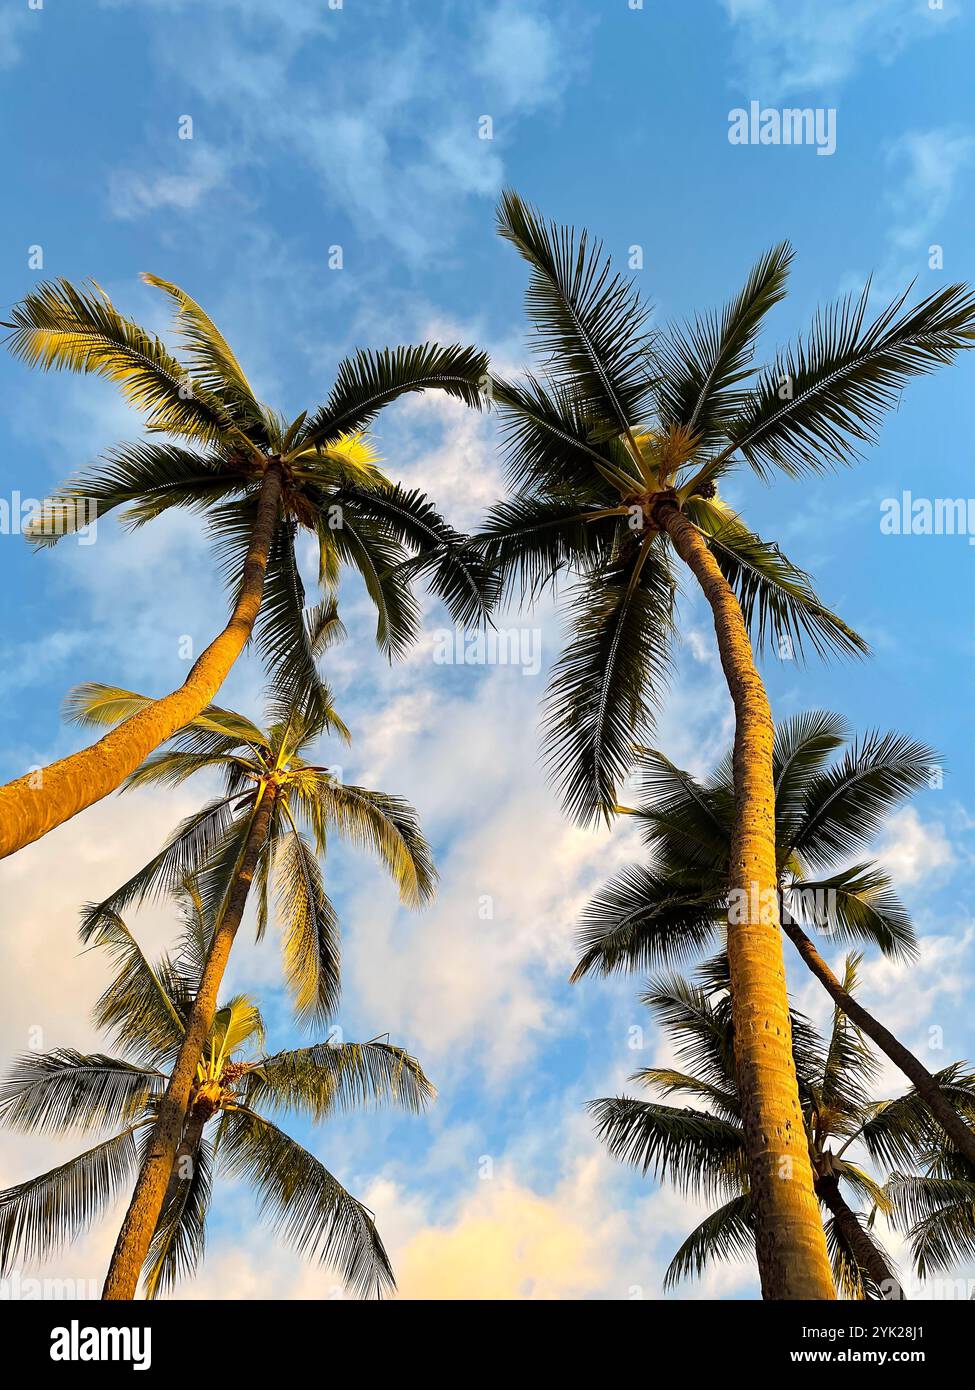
{"x": 154, "y": 1178}
{"x": 924, "y": 1083}
{"x": 36, "y": 803}
{"x": 867, "y": 1254}
{"x": 789, "y": 1240}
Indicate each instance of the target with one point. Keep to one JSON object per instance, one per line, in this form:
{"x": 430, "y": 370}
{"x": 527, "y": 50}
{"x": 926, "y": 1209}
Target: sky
{"x": 337, "y": 189}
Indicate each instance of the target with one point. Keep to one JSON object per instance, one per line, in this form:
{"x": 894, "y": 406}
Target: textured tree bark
{"x": 151, "y": 1185}
{"x": 866, "y": 1253}
{"x": 789, "y": 1240}
{"x": 924, "y": 1083}
{"x": 36, "y": 803}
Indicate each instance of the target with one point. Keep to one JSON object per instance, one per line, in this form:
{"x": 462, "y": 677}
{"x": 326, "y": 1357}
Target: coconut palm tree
{"x": 825, "y": 816}
{"x": 701, "y": 1148}
{"x": 237, "y": 1092}
{"x": 267, "y": 830}
{"x": 257, "y": 478}
{"x": 615, "y": 452}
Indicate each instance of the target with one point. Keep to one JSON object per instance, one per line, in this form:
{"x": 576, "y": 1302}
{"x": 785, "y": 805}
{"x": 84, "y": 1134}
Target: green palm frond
{"x": 146, "y": 479}
{"x": 318, "y": 1081}
{"x": 822, "y": 398}
{"x": 725, "y": 1234}
{"x": 639, "y": 921}
{"x": 195, "y": 842}
{"x": 703, "y": 365}
{"x": 803, "y": 744}
{"x": 545, "y": 439}
{"x": 776, "y": 598}
{"x": 855, "y": 904}
{"x": 377, "y": 821}
{"x": 603, "y": 688}
{"x": 366, "y": 547}
{"x": 939, "y": 1214}
{"x": 311, "y": 933}
{"x": 590, "y": 324}
{"x": 529, "y": 540}
{"x": 682, "y": 821}
{"x": 39, "y": 1216}
{"x": 849, "y": 1065}
{"x": 54, "y": 1092}
{"x": 898, "y": 1130}
{"x": 136, "y": 1009}
{"x": 59, "y": 326}
{"x": 368, "y": 381}
{"x": 845, "y": 805}
{"x": 235, "y": 1024}
{"x": 211, "y": 359}
{"x": 452, "y": 566}
{"x": 698, "y": 1152}
{"x": 307, "y": 1206}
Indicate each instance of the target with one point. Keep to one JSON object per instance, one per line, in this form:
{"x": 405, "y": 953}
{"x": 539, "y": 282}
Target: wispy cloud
{"x": 819, "y": 44}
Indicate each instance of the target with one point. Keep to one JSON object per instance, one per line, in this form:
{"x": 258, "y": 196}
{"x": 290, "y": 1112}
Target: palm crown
{"x": 701, "y": 1149}
{"x": 225, "y": 442}
{"x": 825, "y": 814}
{"x": 620, "y": 420}
{"x": 236, "y": 1088}
{"x": 307, "y": 802}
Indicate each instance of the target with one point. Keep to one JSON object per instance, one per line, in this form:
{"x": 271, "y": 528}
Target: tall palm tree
{"x": 615, "y": 453}
{"x": 268, "y": 829}
{"x": 701, "y": 1148}
{"x": 257, "y": 478}
{"x": 236, "y": 1091}
{"x": 824, "y": 817}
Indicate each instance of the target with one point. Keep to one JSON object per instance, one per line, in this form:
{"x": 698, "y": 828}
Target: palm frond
{"x": 54, "y": 1092}
{"x": 822, "y": 398}
{"x": 700, "y": 1153}
{"x": 368, "y": 381}
{"x": 776, "y": 598}
{"x": 639, "y": 921}
{"x": 307, "y": 1206}
{"x": 39, "y": 1216}
{"x": 603, "y": 688}
{"x": 589, "y": 323}
{"x": 845, "y": 805}
{"x": 60, "y": 326}
{"x": 726, "y": 1234}
{"x": 317, "y": 1081}
{"x": 703, "y": 365}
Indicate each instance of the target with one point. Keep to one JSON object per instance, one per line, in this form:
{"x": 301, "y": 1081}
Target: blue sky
{"x": 358, "y": 127}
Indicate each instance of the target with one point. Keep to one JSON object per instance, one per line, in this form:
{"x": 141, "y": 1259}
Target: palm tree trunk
{"x": 867, "y": 1254}
{"x": 790, "y": 1244}
{"x": 36, "y": 803}
{"x": 135, "y": 1236}
{"x": 927, "y": 1088}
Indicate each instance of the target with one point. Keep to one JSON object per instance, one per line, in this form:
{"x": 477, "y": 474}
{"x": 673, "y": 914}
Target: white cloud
{"x": 133, "y": 194}
{"x": 819, "y": 44}
{"x": 912, "y": 849}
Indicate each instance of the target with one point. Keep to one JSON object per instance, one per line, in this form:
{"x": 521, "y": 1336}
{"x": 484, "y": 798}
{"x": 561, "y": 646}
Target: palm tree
{"x": 236, "y": 1091}
{"x": 702, "y": 1148}
{"x": 824, "y": 817}
{"x": 268, "y": 829}
{"x": 615, "y": 452}
{"x": 257, "y": 478}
